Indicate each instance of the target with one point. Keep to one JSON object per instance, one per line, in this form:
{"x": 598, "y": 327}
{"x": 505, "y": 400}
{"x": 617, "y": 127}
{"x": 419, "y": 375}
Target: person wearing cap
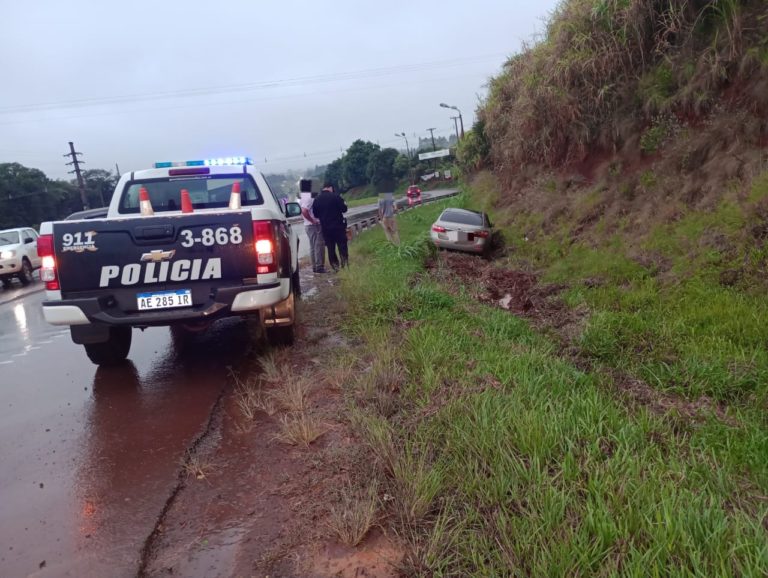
{"x": 313, "y": 230}
{"x": 329, "y": 207}
{"x": 387, "y": 210}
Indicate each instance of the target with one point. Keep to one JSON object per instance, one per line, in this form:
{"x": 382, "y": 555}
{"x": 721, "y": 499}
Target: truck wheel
{"x": 112, "y": 351}
{"x": 25, "y": 275}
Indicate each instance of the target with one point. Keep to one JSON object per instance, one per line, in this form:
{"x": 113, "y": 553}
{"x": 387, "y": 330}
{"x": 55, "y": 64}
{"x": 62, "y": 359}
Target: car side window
{"x": 274, "y": 196}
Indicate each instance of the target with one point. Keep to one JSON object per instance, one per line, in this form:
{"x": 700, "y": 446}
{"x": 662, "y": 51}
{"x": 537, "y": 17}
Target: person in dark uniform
{"x": 329, "y": 207}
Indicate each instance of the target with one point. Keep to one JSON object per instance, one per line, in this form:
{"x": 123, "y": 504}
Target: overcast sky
{"x": 136, "y": 82}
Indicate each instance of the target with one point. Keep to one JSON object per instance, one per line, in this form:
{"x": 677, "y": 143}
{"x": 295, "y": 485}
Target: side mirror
{"x": 28, "y": 240}
{"x": 292, "y": 209}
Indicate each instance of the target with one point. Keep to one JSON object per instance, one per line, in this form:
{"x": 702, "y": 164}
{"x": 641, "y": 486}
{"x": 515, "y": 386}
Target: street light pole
{"x": 407, "y": 148}
{"x": 461, "y": 119}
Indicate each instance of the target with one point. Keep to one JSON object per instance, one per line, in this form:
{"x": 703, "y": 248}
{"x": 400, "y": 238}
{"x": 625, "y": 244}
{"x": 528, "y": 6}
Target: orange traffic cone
{"x": 234, "y": 197}
{"x": 144, "y": 203}
{"x": 186, "y": 202}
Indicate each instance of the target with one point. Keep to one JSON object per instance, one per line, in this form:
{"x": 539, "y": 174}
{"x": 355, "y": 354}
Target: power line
{"x": 221, "y": 104}
{"x": 248, "y": 87}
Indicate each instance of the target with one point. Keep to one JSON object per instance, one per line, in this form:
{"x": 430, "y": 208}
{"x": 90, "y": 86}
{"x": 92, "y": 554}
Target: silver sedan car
{"x": 462, "y": 230}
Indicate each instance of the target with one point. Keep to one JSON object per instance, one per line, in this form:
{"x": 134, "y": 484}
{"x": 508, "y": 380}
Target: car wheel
{"x": 25, "y": 275}
{"x": 112, "y": 351}
{"x": 6, "y": 283}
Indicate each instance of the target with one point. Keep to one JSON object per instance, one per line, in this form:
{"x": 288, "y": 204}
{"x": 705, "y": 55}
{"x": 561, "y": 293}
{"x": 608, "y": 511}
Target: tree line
{"x": 28, "y": 197}
{"x": 367, "y": 164}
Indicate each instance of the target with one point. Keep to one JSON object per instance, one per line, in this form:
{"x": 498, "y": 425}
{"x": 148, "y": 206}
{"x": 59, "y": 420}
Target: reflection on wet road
{"x": 89, "y": 456}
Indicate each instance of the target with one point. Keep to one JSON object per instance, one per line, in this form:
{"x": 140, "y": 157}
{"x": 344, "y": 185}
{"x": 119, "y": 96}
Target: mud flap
{"x": 282, "y": 313}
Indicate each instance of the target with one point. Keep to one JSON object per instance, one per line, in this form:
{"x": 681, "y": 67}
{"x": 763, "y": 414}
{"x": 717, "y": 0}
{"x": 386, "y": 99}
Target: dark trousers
{"x": 333, "y": 238}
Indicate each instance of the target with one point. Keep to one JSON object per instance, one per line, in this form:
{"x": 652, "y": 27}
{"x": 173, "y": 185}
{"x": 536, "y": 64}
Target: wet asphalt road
{"x": 89, "y": 456}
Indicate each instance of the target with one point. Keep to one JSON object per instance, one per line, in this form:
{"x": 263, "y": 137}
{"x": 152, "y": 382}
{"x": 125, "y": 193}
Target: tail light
{"x": 264, "y": 239}
{"x": 48, "y": 266}
{"x": 438, "y": 229}
{"x": 482, "y": 234}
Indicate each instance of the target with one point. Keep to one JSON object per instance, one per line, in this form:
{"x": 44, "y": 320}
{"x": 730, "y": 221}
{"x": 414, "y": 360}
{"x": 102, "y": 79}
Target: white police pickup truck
{"x": 183, "y": 244}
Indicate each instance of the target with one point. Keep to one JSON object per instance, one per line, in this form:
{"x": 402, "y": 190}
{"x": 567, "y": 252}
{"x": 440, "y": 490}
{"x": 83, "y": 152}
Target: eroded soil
{"x": 252, "y": 504}
{"x": 522, "y": 293}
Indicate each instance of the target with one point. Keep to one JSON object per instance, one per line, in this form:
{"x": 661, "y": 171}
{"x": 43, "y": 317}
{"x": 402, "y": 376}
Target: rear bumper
{"x": 227, "y": 301}
{"x": 476, "y": 246}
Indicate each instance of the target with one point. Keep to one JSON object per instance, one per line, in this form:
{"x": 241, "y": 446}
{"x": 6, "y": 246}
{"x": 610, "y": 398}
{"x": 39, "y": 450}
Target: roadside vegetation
{"x": 593, "y": 401}
{"x": 508, "y": 446}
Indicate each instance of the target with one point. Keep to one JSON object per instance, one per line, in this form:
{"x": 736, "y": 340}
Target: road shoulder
{"x": 281, "y": 486}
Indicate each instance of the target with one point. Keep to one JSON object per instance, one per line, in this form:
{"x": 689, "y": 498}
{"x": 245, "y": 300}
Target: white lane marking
{"x": 5, "y": 362}
{"x": 22, "y": 354}
{"x": 33, "y": 348}
{"x": 46, "y": 342}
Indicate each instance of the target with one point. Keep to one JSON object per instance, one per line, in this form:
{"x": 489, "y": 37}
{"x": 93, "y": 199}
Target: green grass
{"x": 503, "y": 458}
{"x": 359, "y": 202}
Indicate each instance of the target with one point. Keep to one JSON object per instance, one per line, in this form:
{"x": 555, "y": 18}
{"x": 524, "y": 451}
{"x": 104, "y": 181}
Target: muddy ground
{"x": 522, "y": 293}
{"x": 250, "y": 501}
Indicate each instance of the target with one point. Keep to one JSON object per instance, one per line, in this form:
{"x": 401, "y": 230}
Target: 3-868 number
{"x": 211, "y": 237}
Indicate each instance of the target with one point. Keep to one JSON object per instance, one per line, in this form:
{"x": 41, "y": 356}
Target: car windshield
{"x": 209, "y": 192}
{"x": 9, "y": 237}
{"x": 462, "y": 217}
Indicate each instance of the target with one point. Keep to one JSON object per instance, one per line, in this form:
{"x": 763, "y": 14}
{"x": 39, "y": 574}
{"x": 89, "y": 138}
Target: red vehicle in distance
{"x": 414, "y": 195}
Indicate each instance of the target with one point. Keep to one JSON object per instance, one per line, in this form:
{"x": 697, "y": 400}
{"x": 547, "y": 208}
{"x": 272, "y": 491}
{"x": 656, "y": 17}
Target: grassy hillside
{"x": 592, "y": 401}
{"x": 505, "y": 448}
{"x": 623, "y": 77}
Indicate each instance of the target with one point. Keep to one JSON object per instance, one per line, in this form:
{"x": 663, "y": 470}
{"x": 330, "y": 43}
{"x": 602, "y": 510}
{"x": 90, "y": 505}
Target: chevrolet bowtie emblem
{"x": 158, "y": 255}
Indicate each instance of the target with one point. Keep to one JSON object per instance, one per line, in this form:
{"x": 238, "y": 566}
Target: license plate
{"x": 453, "y": 235}
{"x": 164, "y": 299}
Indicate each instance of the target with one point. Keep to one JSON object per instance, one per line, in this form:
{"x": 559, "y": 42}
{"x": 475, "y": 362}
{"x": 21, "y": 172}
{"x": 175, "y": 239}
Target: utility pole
{"x": 77, "y": 162}
{"x": 432, "y": 134}
{"x": 456, "y": 125}
{"x": 117, "y": 171}
{"x": 434, "y": 148}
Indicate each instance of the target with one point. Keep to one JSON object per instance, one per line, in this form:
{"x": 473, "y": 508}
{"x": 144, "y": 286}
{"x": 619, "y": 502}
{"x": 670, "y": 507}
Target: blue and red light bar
{"x": 224, "y": 161}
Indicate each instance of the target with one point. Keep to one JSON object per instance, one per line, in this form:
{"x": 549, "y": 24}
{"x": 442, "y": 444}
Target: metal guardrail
{"x": 362, "y": 220}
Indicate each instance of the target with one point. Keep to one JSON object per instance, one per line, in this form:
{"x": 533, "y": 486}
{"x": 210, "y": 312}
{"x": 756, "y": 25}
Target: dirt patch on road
{"x": 265, "y": 492}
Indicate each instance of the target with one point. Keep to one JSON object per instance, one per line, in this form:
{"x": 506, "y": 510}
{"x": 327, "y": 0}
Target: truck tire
{"x": 25, "y": 275}
{"x": 112, "y": 351}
